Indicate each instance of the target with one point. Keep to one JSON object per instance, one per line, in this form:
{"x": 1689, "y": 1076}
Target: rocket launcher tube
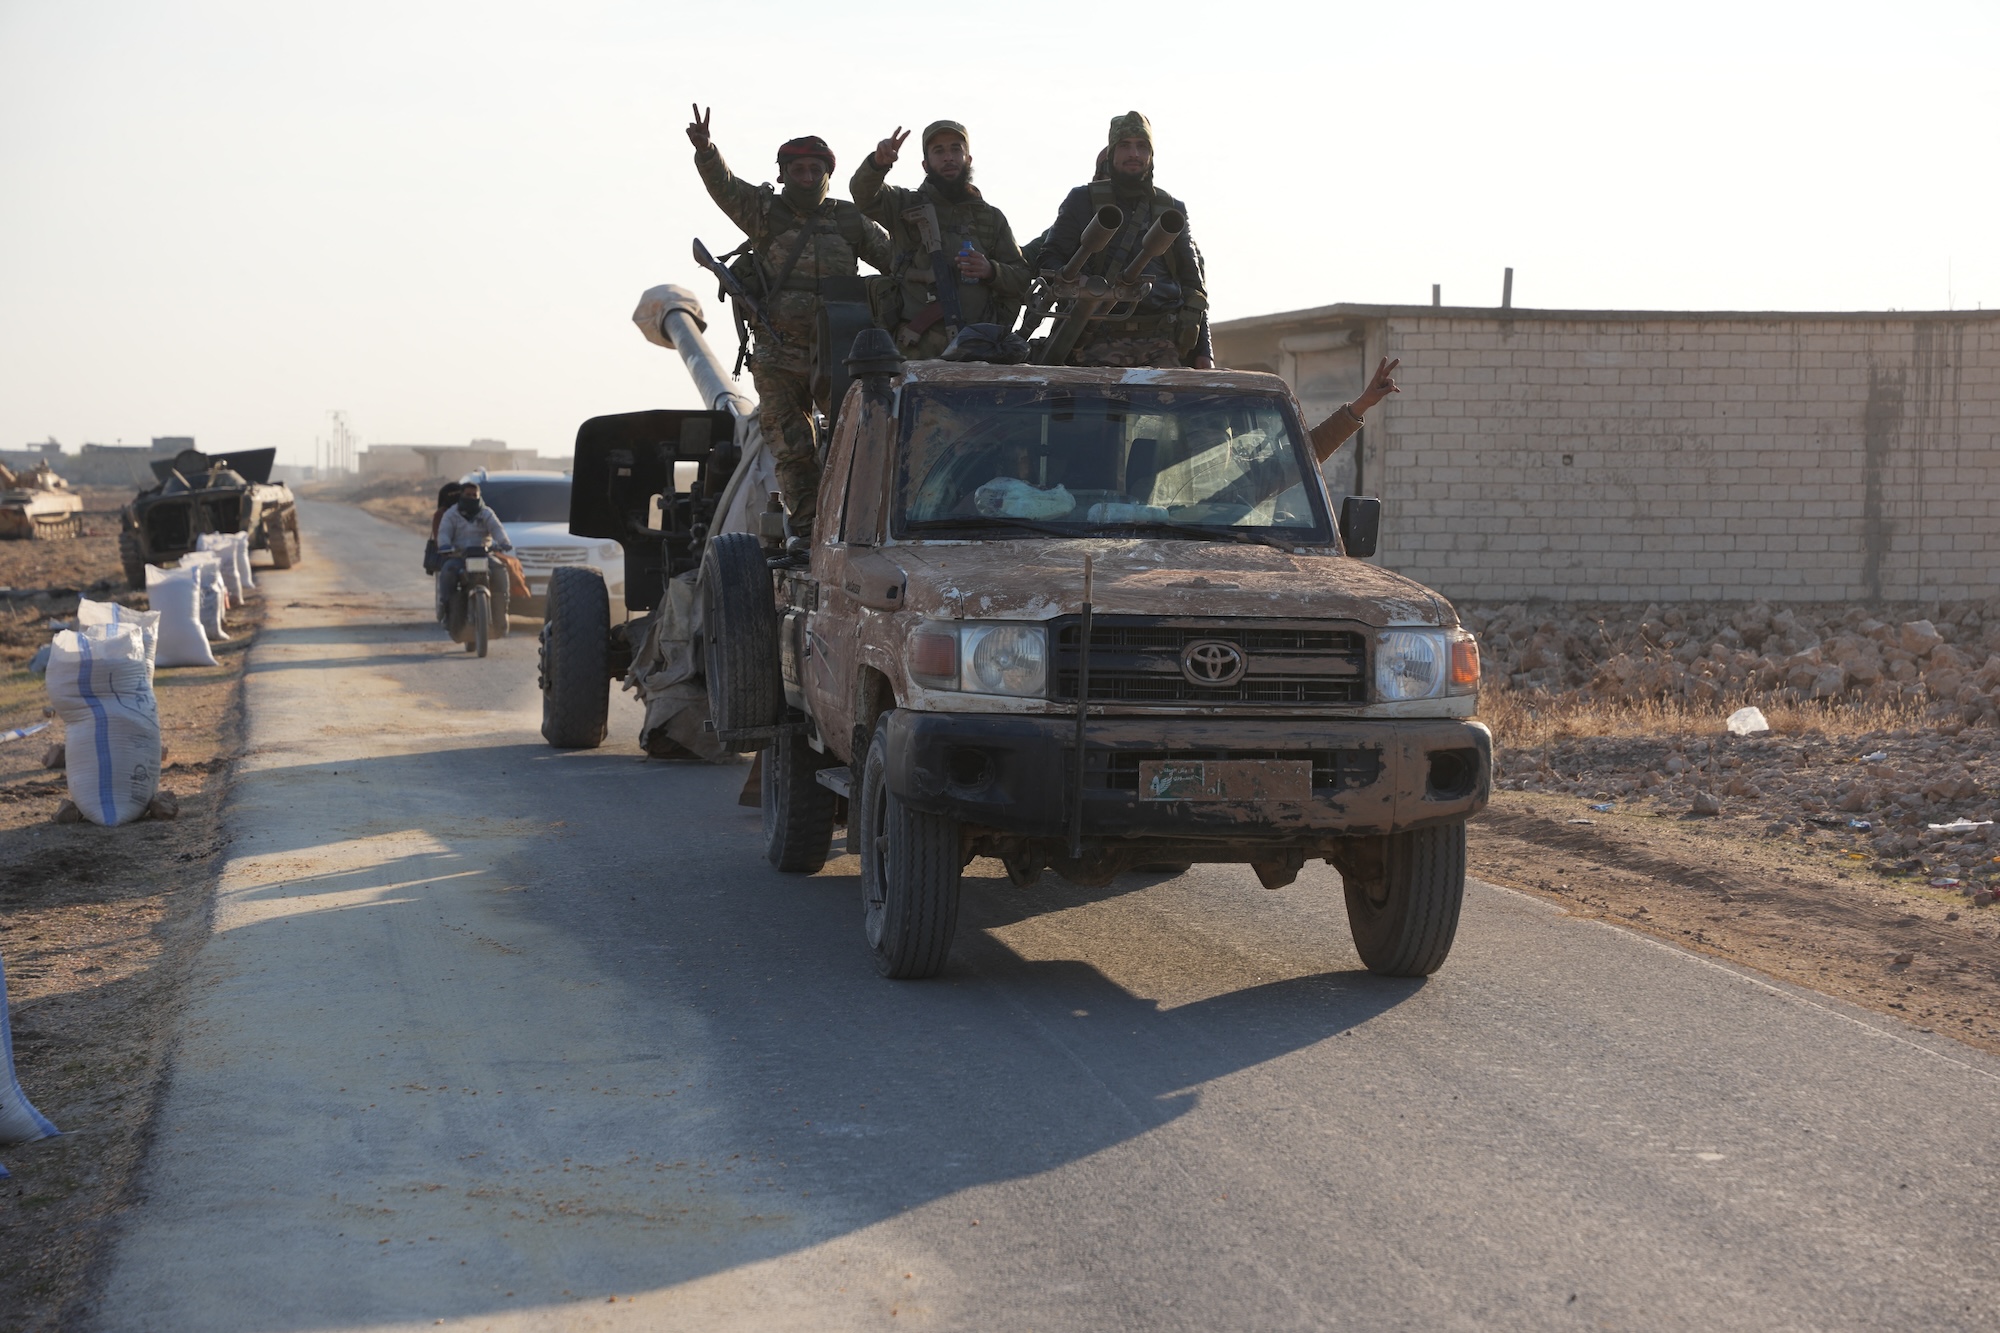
{"x": 1095, "y": 237}
{"x": 1165, "y": 231}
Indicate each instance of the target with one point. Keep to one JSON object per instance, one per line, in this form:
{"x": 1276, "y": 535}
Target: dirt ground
{"x": 1818, "y": 865}
{"x": 97, "y": 927}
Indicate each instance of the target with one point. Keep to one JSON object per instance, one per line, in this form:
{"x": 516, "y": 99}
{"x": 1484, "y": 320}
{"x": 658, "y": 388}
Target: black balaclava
{"x": 469, "y": 504}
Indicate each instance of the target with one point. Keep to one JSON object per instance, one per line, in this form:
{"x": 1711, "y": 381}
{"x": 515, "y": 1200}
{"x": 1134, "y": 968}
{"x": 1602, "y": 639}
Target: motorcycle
{"x": 477, "y": 606}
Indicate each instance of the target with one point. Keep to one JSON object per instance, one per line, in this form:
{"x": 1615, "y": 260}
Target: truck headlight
{"x": 1005, "y": 657}
{"x": 1425, "y": 664}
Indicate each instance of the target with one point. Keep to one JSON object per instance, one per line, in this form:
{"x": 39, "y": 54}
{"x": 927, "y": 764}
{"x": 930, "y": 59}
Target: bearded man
{"x": 991, "y": 276}
{"x": 1170, "y": 327}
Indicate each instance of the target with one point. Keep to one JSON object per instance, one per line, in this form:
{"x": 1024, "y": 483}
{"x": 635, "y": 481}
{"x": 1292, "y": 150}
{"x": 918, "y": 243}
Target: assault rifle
{"x": 745, "y": 304}
{"x": 944, "y": 269}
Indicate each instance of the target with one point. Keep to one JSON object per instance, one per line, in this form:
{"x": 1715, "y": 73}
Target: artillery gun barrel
{"x": 1158, "y": 241}
{"x": 672, "y": 317}
{"x": 1095, "y": 237}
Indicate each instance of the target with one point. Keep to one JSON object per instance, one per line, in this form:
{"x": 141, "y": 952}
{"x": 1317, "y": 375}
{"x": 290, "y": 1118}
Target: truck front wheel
{"x": 1404, "y": 891}
{"x": 798, "y": 812}
{"x": 576, "y": 660}
{"x": 910, "y": 871}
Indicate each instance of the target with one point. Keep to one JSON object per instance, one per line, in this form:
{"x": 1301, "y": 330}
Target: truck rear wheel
{"x": 1404, "y": 892}
{"x": 576, "y": 660}
{"x": 740, "y": 635}
{"x": 910, "y": 876}
{"x": 798, "y": 812}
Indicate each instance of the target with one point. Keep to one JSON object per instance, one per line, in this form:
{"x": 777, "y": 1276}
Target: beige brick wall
{"x": 1598, "y": 456}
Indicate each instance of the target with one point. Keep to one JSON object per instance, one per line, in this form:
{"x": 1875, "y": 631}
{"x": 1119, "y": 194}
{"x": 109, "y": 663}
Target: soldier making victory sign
{"x": 1170, "y": 327}
{"x": 955, "y": 258}
{"x": 799, "y": 237}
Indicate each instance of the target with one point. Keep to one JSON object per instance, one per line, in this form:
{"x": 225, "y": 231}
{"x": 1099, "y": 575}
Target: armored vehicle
{"x": 200, "y": 493}
{"x": 1091, "y": 620}
{"x": 38, "y": 504}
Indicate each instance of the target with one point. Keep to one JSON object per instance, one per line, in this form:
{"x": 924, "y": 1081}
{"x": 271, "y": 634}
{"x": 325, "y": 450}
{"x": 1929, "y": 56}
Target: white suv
{"x": 534, "y": 506}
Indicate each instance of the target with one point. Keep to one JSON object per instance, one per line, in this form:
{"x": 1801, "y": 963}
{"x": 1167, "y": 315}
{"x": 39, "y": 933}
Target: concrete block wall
{"x": 1606, "y": 456}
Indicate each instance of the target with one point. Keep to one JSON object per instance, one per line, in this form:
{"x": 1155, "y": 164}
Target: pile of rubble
{"x": 1945, "y": 658}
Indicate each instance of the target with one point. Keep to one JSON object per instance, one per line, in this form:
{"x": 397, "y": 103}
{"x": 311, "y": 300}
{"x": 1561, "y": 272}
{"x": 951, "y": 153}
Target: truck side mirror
{"x": 1360, "y": 525}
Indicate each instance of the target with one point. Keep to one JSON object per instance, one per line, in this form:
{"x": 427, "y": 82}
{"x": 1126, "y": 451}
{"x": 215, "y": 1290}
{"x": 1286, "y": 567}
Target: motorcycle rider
{"x": 464, "y": 527}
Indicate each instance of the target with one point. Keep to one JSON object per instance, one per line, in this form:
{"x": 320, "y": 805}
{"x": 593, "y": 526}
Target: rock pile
{"x": 1944, "y": 658}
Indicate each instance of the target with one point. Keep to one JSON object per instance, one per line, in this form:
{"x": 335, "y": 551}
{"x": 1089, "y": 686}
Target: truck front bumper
{"x": 1017, "y": 775}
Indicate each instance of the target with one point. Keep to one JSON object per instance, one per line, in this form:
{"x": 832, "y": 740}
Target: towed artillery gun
{"x": 38, "y": 505}
{"x": 1094, "y": 620}
{"x": 199, "y": 493}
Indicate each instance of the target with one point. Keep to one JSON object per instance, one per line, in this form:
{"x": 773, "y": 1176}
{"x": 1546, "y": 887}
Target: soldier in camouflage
{"x": 992, "y": 276}
{"x": 1170, "y": 327}
{"x": 799, "y": 237}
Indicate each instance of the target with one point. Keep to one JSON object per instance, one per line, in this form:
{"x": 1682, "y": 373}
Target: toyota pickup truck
{"x": 1093, "y": 620}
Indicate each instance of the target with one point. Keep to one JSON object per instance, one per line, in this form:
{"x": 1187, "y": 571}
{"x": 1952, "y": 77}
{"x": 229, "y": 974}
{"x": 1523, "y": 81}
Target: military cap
{"x": 937, "y": 127}
{"x": 809, "y": 145}
{"x": 1131, "y": 125}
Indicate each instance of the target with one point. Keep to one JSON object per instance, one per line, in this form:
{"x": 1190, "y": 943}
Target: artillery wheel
{"x": 576, "y": 660}
{"x": 740, "y": 635}
{"x": 1404, "y": 892}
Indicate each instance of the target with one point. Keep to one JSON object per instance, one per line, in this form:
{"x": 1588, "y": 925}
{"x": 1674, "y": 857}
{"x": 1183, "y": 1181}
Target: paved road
{"x": 493, "y": 1037}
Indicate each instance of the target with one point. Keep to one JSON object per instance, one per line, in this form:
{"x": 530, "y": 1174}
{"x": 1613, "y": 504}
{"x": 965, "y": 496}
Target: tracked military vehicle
{"x": 199, "y": 493}
{"x": 38, "y": 505}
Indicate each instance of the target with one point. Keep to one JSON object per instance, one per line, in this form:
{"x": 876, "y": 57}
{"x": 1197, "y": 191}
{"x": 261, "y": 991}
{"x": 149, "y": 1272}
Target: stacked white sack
{"x": 99, "y": 686}
{"x": 223, "y": 546}
{"x": 176, "y": 595}
{"x": 90, "y": 613}
{"x": 243, "y": 574}
{"x": 207, "y": 567}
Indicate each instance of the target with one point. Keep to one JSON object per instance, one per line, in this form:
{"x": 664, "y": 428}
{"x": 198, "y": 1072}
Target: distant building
{"x": 441, "y": 460}
{"x": 1615, "y": 455}
{"x": 172, "y": 444}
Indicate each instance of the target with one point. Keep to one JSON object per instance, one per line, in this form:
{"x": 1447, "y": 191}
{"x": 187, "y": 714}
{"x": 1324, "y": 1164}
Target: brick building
{"x": 1637, "y": 455}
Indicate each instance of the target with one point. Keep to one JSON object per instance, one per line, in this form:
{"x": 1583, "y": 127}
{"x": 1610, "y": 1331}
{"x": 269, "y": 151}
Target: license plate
{"x": 1226, "y": 780}
{"x": 475, "y": 564}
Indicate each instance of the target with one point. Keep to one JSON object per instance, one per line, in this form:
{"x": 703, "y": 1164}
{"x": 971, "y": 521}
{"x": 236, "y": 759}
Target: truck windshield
{"x": 1020, "y": 460}
{"x": 528, "y": 499}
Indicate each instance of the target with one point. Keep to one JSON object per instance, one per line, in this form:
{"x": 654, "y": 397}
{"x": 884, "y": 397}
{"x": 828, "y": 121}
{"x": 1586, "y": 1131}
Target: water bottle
{"x": 964, "y": 249}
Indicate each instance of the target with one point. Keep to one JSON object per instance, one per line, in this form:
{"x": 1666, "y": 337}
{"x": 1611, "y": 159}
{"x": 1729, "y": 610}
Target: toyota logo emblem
{"x": 1213, "y": 663}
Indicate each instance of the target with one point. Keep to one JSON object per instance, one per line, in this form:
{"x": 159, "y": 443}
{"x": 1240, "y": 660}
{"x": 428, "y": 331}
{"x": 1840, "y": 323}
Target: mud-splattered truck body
{"x": 1250, "y": 692}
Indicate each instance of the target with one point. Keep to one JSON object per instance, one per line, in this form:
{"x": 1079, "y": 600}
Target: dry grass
{"x": 1528, "y": 720}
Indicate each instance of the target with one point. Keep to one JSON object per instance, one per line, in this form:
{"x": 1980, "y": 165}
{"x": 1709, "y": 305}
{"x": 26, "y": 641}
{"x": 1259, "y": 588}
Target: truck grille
{"x": 551, "y": 555}
{"x": 1137, "y": 659}
{"x": 1332, "y": 770}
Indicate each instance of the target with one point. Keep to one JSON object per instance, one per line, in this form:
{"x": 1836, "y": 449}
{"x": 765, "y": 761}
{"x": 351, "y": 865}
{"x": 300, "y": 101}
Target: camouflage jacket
{"x": 835, "y": 236}
{"x": 996, "y": 300}
{"x": 1178, "y": 305}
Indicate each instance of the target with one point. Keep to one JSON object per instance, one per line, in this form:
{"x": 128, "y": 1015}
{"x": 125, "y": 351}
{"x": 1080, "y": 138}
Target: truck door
{"x": 852, "y": 513}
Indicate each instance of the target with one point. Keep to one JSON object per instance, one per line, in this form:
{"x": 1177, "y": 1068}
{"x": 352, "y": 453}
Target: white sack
{"x": 176, "y": 595}
{"x": 1748, "y": 722}
{"x": 242, "y": 546}
{"x": 101, "y": 689}
{"x": 223, "y": 546}
{"x": 20, "y": 1122}
{"x": 90, "y": 613}
{"x": 207, "y": 567}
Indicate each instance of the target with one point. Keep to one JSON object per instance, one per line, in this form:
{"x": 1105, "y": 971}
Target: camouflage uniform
{"x": 834, "y": 235}
{"x": 994, "y": 300}
{"x": 1170, "y": 327}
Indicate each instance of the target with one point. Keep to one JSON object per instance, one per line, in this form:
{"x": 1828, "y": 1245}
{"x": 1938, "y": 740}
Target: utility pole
{"x": 340, "y": 448}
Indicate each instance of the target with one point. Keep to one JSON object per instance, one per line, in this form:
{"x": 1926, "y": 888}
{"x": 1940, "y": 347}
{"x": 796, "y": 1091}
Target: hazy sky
{"x": 225, "y": 219}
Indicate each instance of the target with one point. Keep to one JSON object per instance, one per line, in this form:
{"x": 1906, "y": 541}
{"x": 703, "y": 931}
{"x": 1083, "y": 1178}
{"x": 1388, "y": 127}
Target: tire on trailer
{"x": 798, "y": 812}
{"x": 740, "y": 635}
{"x": 1404, "y": 892}
{"x": 576, "y": 660}
{"x": 910, "y": 875}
